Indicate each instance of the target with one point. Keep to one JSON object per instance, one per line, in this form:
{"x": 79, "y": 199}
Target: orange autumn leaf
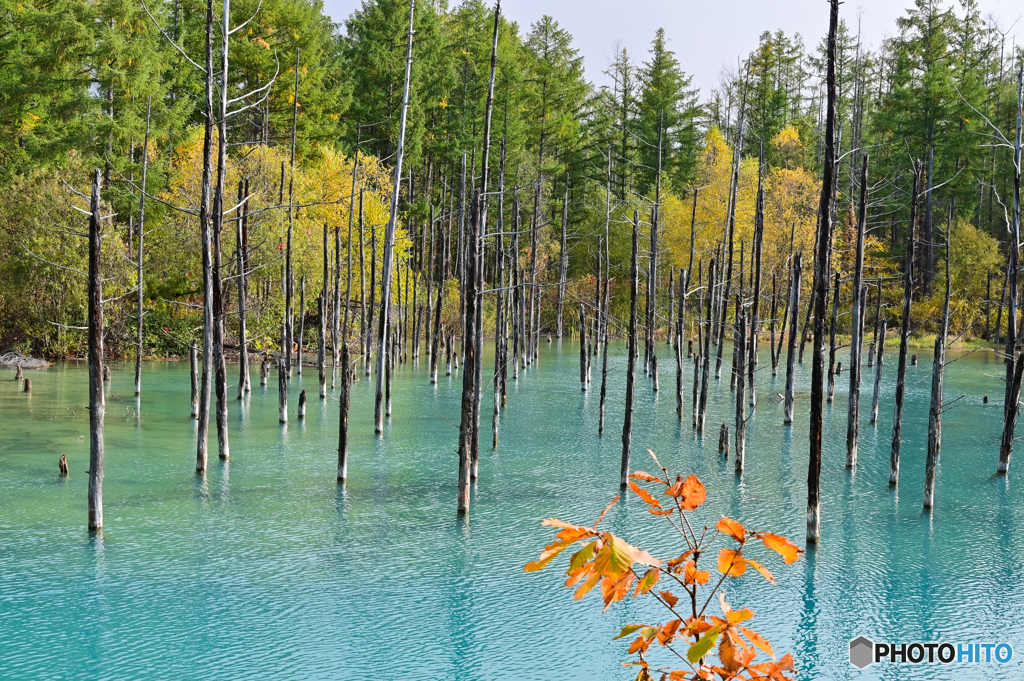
{"x": 615, "y": 556}
{"x": 647, "y": 582}
{"x": 668, "y": 632}
{"x": 758, "y": 641}
{"x": 640, "y": 475}
{"x": 696, "y": 625}
{"x": 615, "y": 589}
{"x": 730, "y": 650}
{"x": 548, "y": 554}
{"x": 644, "y": 640}
{"x": 694, "y": 576}
{"x": 680, "y": 558}
{"x": 732, "y": 528}
{"x": 586, "y": 586}
{"x": 670, "y": 598}
{"x": 627, "y": 630}
{"x": 555, "y": 522}
{"x": 760, "y": 568}
{"x": 737, "y": 616}
{"x": 690, "y": 492}
{"x": 580, "y": 558}
{"x": 644, "y": 494}
{"x": 731, "y": 563}
{"x": 579, "y": 573}
{"x": 789, "y": 551}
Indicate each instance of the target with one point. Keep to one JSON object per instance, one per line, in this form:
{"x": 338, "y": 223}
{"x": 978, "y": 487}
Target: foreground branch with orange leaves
{"x": 609, "y": 560}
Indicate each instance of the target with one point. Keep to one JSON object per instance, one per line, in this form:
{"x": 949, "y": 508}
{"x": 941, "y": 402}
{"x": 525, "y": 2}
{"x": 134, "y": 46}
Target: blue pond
{"x": 267, "y": 569}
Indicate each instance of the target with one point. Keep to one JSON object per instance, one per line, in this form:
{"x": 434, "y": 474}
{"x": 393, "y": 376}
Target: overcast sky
{"x": 706, "y": 35}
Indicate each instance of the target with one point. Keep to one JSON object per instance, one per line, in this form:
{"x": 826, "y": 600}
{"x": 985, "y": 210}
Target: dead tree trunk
{"x": 755, "y": 303}
{"x": 288, "y": 279}
{"x": 324, "y": 313}
{"x": 904, "y": 338}
{"x": 193, "y": 356}
{"x": 741, "y": 422}
{"x": 679, "y": 331}
{"x": 205, "y": 227}
{"x": 880, "y": 349}
{"x": 878, "y": 321}
{"x": 822, "y": 263}
{"x": 241, "y": 261}
{"x": 138, "y": 262}
{"x": 480, "y": 234}
{"x": 466, "y": 434}
{"x": 791, "y": 351}
{"x": 96, "y": 401}
{"x": 775, "y": 311}
{"x": 856, "y": 340}
{"x": 344, "y": 399}
{"x": 697, "y": 358}
{"x": 438, "y": 302}
{"x": 705, "y": 370}
{"x": 282, "y": 390}
{"x": 935, "y": 407}
{"x": 563, "y": 261}
{"x": 1013, "y": 372}
{"x": 833, "y": 328}
{"x": 583, "y": 349}
{"x": 302, "y": 325}
{"x": 322, "y": 343}
{"x": 627, "y": 423}
{"x": 389, "y": 238}
{"x": 602, "y": 327}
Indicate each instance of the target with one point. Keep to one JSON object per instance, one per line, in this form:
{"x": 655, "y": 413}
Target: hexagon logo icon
{"x": 861, "y": 652}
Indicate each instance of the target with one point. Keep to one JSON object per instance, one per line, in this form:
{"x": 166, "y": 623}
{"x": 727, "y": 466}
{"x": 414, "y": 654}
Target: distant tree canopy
{"x": 76, "y": 80}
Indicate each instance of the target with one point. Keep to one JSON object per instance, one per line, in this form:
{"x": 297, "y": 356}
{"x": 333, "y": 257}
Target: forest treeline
{"x": 313, "y": 134}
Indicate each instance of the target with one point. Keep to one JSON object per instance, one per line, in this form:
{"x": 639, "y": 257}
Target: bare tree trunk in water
{"x": 389, "y": 241}
{"x": 822, "y": 265}
{"x": 791, "y": 352}
{"x": 832, "y": 342}
{"x": 205, "y": 226}
{"x": 1013, "y": 374}
{"x": 706, "y": 358}
{"x": 857, "y": 341}
{"x": 741, "y": 422}
{"x": 96, "y": 401}
{"x": 241, "y": 260}
{"x": 935, "y": 407}
{"x": 469, "y": 348}
{"x": 138, "y": 263}
{"x": 344, "y": 399}
{"x": 880, "y": 349}
{"x": 627, "y": 424}
{"x": 901, "y": 372}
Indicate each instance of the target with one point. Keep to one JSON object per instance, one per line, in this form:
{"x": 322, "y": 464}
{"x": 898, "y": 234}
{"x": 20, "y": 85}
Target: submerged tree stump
{"x": 28, "y": 385}
{"x": 62, "y": 465}
{"x": 723, "y": 440}
{"x": 302, "y": 405}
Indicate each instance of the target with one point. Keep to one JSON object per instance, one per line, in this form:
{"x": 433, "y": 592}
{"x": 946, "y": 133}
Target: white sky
{"x": 706, "y": 35}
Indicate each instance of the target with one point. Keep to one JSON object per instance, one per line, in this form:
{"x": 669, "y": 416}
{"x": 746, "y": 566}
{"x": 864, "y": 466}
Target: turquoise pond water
{"x": 267, "y": 569}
